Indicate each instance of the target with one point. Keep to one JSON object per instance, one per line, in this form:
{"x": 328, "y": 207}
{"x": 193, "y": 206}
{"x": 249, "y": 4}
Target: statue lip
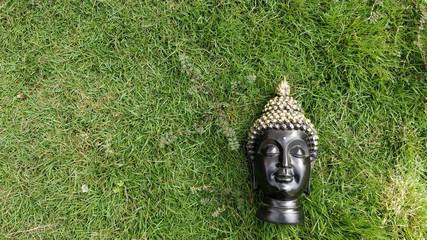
{"x": 283, "y": 178}
{"x": 283, "y": 175}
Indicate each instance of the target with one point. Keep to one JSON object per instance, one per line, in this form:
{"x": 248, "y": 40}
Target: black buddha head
{"x": 282, "y": 149}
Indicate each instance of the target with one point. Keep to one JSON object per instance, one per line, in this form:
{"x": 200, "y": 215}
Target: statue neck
{"x": 288, "y": 212}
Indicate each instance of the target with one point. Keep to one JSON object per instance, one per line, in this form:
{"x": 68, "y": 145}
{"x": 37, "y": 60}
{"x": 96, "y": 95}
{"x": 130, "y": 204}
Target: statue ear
{"x": 307, "y": 191}
{"x": 251, "y": 166}
{"x": 254, "y": 181}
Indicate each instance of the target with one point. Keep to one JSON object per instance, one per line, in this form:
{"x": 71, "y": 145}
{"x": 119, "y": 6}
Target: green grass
{"x": 105, "y": 85}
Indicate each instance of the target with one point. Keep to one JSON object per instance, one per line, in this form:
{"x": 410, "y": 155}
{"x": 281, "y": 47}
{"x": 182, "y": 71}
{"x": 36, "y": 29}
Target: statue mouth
{"x": 284, "y": 178}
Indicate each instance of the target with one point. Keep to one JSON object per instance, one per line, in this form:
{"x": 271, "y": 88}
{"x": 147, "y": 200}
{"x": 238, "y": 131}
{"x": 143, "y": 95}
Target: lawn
{"x": 134, "y": 116}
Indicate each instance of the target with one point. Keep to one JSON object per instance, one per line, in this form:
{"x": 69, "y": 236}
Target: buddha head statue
{"x": 281, "y": 151}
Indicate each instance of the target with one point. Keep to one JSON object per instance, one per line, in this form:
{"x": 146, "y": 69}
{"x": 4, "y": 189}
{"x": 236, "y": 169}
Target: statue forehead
{"x": 284, "y": 135}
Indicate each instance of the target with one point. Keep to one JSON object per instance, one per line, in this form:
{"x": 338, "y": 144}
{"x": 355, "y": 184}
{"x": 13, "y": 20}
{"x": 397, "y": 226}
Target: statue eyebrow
{"x": 270, "y": 141}
{"x": 295, "y": 142}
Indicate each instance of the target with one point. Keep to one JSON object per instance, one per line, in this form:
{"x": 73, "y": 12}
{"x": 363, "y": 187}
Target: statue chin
{"x": 288, "y": 212}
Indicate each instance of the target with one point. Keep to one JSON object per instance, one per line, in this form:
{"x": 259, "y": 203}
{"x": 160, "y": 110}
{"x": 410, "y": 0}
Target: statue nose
{"x": 285, "y": 162}
{"x": 285, "y": 172}
{"x": 284, "y": 175}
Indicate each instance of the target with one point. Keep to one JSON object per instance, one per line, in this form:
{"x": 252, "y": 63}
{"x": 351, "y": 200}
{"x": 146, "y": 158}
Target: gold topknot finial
{"x": 283, "y": 88}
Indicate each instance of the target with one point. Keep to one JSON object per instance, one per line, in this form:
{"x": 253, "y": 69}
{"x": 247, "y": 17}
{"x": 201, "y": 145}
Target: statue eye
{"x": 298, "y": 152}
{"x": 270, "y": 150}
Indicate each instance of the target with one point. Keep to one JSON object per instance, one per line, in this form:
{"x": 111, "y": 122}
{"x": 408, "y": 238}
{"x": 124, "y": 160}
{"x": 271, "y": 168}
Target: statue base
{"x": 280, "y": 212}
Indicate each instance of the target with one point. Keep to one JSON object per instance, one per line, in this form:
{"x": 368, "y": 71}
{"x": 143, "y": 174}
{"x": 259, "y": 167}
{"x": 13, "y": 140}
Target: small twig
{"x": 202, "y": 188}
{"x": 187, "y": 66}
{"x": 235, "y": 89}
{"x": 418, "y": 42}
{"x": 194, "y": 77}
{"x": 29, "y": 230}
{"x": 241, "y": 219}
{"x": 240, "y": 85}
{"x": 395, "y": 36}
{"x": 187, "y": 130}
{"x": 235, "y": 213}
{"x": 372, "y": 9}
{"x": 7, "y": 196}
{"x": 226, "y": 123}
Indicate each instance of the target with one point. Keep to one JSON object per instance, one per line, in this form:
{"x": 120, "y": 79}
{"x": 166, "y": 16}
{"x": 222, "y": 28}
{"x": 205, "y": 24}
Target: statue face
{"x": 282, "y": 163}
